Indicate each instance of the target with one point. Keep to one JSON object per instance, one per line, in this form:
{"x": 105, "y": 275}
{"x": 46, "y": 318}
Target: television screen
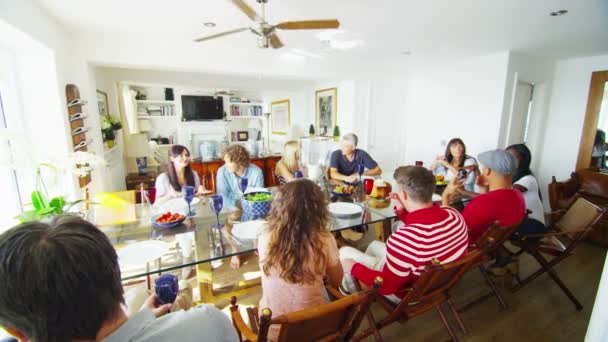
{"x": 198, "y": 108}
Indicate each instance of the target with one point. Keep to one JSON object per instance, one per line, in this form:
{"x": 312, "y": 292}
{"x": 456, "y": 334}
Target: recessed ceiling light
{"x": 558, "y": 13}
{"x": 406, "y": 53}
{"x": 209, "y": 24}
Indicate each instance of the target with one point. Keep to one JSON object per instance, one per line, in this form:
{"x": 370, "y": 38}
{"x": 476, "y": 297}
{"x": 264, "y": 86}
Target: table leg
{"x": 383, "y": 230}
{"x": 204, "y": 271}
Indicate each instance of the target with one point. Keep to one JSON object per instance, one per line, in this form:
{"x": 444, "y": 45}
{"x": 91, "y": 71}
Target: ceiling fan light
{"x": 263, "y": 42}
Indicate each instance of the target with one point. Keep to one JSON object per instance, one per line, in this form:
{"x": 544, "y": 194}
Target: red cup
{"x": 151, "y": 192}
{"x": 419, "y": 163}
{"x": 368, "y": 185}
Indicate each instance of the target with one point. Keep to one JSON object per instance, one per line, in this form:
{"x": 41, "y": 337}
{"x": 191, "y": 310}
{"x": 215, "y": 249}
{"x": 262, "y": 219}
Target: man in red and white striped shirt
{"x": 430, "y": 231}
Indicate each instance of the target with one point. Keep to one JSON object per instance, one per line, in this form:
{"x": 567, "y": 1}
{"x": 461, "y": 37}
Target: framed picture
{"x": 242, "y": 135}
{"x": 102, "y": 102}
{"x": 280, "y": 117}
{"x": 326, "y": 102}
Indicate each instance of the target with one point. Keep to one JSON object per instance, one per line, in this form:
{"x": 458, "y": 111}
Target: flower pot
{"x": 110, "y": 143}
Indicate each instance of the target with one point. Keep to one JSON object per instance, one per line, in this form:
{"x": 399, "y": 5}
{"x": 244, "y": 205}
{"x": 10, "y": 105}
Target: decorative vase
{"x": 110, "y": 143}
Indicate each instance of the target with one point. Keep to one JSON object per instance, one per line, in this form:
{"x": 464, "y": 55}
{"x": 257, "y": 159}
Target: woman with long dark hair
{"x": 169, "y": 184}
{"x": 296, "y": 250}
{"x": 455, "y": 159}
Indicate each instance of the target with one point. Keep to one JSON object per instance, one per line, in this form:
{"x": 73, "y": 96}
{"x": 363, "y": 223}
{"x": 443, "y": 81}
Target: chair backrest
{"x": 337, "y": 320}
{"x": 496, "y": 236}
{"x": 581, "y": 216}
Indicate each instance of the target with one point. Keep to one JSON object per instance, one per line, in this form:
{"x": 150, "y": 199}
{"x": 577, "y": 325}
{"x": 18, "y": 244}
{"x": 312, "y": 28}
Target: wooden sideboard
{"x": 207, "y": 171}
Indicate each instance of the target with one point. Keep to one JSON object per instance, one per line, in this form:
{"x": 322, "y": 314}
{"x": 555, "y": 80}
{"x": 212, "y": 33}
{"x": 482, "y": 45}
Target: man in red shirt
{"x": 430, "y": 231}
{"x": 498, "y": 201}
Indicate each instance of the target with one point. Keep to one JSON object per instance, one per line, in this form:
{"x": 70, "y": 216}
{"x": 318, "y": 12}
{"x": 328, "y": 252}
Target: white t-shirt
{"x": 532, "y": 198}
{"x": 163, "y": 186}
{"x": 469, "y": 183}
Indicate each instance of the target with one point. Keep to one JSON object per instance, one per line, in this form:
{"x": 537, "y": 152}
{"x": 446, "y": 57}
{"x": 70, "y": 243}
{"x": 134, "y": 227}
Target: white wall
{"x": 454, "y": 99}
{"x": 564, "y": 124}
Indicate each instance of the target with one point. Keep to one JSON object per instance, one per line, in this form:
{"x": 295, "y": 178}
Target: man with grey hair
{"x": 344, "y": 163}
{"x": 429, "y": 231}
{"x": 498, "y": 201}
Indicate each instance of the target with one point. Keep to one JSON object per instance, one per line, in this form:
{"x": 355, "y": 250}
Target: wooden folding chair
{"x": 429, "y": 292}
{"x": 569, "y": 228}
{"x": 334, "y": 321}
{"x": 498, "y": 235}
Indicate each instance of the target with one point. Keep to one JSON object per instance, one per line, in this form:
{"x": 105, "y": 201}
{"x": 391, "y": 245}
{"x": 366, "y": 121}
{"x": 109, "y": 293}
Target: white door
{"x": 520, "y": 114}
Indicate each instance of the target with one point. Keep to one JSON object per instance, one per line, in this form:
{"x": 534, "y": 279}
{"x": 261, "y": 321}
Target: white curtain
{"x": 128, "y": 107}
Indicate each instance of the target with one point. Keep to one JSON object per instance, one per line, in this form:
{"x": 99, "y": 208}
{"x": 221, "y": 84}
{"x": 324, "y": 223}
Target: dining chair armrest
{"x": 241, "y": 327}
{"x": 526, "y": 236}
{"x": 333, "y": 292}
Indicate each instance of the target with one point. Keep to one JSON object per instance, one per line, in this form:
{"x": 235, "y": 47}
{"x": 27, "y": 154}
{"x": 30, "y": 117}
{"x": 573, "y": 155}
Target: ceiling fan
{"x": 267, "y": 32}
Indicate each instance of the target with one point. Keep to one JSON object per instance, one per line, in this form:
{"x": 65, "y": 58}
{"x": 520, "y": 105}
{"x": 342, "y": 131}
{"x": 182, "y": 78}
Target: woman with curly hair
{"x": 296, "y": 250}
{"x": 237, "y": 166}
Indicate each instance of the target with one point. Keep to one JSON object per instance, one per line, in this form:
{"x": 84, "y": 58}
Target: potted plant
{"x": 115, "y": 122}
{"x": 311, "y": 130}
{"x": 45, "y": 207}
{"x": 336, "y": 133}
{"x": 107, "y": 132}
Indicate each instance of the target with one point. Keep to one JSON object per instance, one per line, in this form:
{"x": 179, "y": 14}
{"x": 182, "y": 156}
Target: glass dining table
{"x": 145, "y": 250}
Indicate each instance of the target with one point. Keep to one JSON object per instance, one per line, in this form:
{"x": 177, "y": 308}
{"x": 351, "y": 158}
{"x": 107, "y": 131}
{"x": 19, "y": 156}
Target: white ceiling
{"x": 159, "y": 33}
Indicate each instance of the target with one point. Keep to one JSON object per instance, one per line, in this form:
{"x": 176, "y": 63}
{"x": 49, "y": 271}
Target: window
{"x": 10, "y": 201}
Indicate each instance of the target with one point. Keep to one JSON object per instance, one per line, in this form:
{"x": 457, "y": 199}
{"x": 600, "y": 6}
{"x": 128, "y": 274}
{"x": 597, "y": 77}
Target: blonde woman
{"x": 297, "y": 251}
{"x": 289, "y": 163}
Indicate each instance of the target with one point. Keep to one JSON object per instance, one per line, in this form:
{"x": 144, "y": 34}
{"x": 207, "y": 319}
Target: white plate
{"x": 344, "y": 209}
{"x": 139, "y": 253}
{"x": 248, "y": 229}
{"x": 176, "y": 205}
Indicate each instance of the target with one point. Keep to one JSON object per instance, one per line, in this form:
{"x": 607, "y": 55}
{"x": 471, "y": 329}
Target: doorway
{"x": 593, "y": 147}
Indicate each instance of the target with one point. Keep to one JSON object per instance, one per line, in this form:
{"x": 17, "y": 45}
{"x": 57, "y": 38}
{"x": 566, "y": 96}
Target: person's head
{"x": 600, "y": 138}
{"x": 349, "y": 143}
{"x": 179, "y": 161}
{"x": 415, "y": 185}
{"x": 523, "y": 157}
{"x": 60, "y": 281}
{"x": 297, "y": 222}
{"x": 497, "y": 168}
{"x": 456, "y": 149}
{"x": 236, "y": 157}
{"x": 291, "y": 155}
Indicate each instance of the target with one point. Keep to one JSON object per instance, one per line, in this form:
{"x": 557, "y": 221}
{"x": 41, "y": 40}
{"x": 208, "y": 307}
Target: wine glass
{"x": 243, "y": 183}
{"x": 188, "y": 196}
{"x": 360, "y": 170}
{"x": 217, "y": 203}
{"x": 298, "y": 174}
{"x": 166, "y": 288}
{"x": 368, "y": 187}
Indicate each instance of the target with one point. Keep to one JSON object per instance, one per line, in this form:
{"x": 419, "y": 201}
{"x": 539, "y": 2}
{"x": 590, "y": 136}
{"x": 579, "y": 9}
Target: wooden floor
{"x": 538, "y": 312}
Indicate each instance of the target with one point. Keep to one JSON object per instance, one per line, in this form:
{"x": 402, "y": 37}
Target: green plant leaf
{"x": 38, "y": 200}
{"x": 57, "y": 203}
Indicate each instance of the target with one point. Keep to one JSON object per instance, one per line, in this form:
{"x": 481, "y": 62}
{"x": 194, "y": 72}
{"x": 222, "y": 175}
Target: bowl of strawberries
{"x": 168, "y": 219}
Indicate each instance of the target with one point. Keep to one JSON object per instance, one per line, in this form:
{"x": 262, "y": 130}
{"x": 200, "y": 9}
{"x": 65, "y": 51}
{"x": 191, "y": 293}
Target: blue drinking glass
{"x": 166, "y": 288}
{"x": 360, "y": 169}
{"x": 243, "y": 183}
{"x": 188, "y": 196}
{"x": 298, "y": 174}
{"x": 216, "y": 202}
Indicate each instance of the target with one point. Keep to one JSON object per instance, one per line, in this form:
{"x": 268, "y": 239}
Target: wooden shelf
{"x": 156, "y": 102}
{"x": 246, "y": 103}
{"x": 145, "y": 117}
{"x": 245, "y": 117}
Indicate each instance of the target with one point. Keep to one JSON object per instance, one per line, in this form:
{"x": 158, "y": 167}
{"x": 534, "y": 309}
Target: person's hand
{"x": 347, "y": 265}
{"x": 454, "y": 186}
{"x": 352, "y": 179}
{"x": 201, "y": 191}
{"x": 153, "y": 304}
{"x": 235, "y": 262}
{"x": 398, "y": 205}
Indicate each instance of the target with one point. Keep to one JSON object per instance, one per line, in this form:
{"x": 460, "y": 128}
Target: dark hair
{"x": 523, "y": 164}
{"x": 238, "y": 154}
{"x": 60, "y": 281}
{"x": 417, "y": 181}
{"x": 600, "y": 138}
{"x": 448, "y": 154}
{"x": 176, "y": 151}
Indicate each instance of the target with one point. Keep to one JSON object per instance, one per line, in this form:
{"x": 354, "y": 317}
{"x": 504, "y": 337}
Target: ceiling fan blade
{"x": 221, "y": 34}
{"x": 275, "y": 42}
{"x": 308, "y": 24}
{"x": 250, "y": 12}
